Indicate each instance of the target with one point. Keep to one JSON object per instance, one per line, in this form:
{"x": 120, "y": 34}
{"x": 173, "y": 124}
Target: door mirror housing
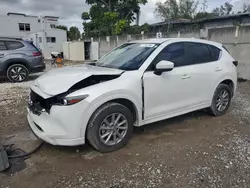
{"x": 163, "y": 66}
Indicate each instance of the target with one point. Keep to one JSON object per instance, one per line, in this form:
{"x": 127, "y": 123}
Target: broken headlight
{"x": 73, "y": 100}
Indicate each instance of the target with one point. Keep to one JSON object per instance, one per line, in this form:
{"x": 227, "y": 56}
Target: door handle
{"x": 185, "y": 76}
{"x": 218, "y": 69}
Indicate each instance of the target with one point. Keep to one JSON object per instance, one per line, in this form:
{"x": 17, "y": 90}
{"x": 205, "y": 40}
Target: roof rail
{"x": 11, "y": 38}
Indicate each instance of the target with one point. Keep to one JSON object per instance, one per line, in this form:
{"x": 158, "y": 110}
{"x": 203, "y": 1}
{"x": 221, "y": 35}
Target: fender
{"x": 99, "y": 101}
{"x": 12, "y": 61}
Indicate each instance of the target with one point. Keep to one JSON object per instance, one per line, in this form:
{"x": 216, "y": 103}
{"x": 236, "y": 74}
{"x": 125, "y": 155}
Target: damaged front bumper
{"x": 61, "y": 126}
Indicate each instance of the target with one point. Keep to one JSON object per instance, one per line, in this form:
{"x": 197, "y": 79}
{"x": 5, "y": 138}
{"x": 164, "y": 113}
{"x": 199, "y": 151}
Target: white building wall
{"x": 9, "y": 25}
{"x": 48, "y": 47}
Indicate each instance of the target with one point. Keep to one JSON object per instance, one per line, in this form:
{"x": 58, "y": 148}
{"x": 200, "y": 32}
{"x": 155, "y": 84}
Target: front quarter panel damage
{"x": 38, "y": 103}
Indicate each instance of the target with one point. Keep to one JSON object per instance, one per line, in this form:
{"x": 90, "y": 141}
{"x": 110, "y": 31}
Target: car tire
{"x": 104, "y": 133}
{"x": 221, "y": 100}
{"x": 17, "y": 73}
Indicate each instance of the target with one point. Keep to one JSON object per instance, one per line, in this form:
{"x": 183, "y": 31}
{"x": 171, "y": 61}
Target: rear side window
{"x": 197, "y": 53}
{"x": 174, "y": 52}
{"x": 14, "y": 45}
{"x": 3, "y": 45}
{"x": 215, "y": 52}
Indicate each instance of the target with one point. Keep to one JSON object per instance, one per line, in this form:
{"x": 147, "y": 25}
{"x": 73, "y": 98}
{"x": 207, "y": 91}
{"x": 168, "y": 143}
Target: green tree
{"x": 85, "y": 16}
{"x": 245, "y": 8}
{"x": 223, "y": 10}
{"x": 173, "y": 9}
{"x": 108, "y": 17}
{"x": 204, "y": 15}
{"x": 74, "y": 33}
{"x": 187, "y": 8}
{"x": 120, "y": 27}
{"x": 144, "y": 28}
{"x": 63, "y": 27}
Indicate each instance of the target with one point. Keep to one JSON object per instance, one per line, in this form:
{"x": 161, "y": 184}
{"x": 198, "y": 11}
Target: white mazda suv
{"x": 137, "y": 83}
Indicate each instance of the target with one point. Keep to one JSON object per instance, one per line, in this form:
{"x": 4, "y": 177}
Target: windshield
{"x": 129, "y": 56}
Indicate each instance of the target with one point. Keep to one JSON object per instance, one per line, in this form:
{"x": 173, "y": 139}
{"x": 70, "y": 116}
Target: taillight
{"x": 36, "y": 53}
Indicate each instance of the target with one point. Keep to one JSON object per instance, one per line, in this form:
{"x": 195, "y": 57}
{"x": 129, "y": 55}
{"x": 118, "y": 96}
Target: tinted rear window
{"x": 14, "y": 45}
{"x": 215, "y": 52}
{"x": 2, "y": 45}
{"x": 197, "y": 53}
{"x": 31, "y": 44}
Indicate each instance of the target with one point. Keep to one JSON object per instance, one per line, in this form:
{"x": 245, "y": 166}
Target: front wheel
{"x": 110, "y": 127}
{"x": 17, "y": 73}
{"x": 221, "y": 100}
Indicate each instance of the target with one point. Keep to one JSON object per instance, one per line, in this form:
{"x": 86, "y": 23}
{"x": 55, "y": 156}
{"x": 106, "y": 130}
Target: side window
{"x": 197, "y": 53}
{"x": 13, "y": 45}
{"x": 2, "y": 45}
{"x": 174, "y": 53}
{"x": 215, "y": 52}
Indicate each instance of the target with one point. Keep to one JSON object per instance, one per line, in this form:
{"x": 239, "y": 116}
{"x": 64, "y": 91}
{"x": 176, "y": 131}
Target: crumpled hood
{"x": 60, "y": 80}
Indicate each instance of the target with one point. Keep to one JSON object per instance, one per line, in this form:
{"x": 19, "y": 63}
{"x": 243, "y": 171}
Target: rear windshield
{"x": 31, "y": 43}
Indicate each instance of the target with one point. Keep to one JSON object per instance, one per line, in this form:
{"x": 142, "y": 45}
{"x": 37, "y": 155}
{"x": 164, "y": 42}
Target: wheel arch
{"x": 230, "y": 83}
{"x": 127, "y": 102}
{"x": 16, "y": 61}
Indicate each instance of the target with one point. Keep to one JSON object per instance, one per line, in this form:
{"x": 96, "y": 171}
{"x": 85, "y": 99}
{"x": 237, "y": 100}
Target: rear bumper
{"x": 38, "y": 68}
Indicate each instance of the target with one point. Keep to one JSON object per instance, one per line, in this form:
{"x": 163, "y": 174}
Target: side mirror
{"x": 163, "y": 66}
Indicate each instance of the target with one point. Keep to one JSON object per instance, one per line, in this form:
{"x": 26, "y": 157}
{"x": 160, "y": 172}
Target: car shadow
{"x": 150, "y": 129}
{"x": 164, "y": 124}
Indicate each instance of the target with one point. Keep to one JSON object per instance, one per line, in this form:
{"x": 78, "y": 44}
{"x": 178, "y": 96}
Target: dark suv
{"x": 19, "y": 58}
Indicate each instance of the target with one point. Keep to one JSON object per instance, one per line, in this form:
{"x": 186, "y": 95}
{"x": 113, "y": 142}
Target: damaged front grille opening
{"x": 40, "y": 104}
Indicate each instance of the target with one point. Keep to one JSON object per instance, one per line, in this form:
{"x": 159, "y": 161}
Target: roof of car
{"x": 10, "y": 38}
{"x": 162, "y": 40}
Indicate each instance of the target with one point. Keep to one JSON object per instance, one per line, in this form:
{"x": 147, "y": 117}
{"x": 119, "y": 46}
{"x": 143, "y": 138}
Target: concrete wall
{"x": 236, "y": 39}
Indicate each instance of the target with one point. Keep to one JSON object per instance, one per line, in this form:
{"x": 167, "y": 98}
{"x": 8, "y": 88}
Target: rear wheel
{"x": 221, "y": 100}
{"x": 17, "y": 73}
{"x": 110, "y": 127}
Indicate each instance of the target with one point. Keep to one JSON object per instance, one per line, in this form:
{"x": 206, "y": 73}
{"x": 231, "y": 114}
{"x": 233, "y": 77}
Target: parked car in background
{"x": 137, "y": 83}
{"x": 19, "y": 58}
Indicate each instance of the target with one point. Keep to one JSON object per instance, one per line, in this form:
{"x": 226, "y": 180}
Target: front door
{"x": 169, "y": 92}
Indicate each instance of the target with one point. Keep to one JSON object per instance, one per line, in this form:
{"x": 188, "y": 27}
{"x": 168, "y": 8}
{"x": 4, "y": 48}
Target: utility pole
{"x": 204, "y": 5}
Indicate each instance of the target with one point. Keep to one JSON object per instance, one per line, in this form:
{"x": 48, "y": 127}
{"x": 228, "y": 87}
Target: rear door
{"x": 203, "y": 70}
{"x": 4, "y": 54}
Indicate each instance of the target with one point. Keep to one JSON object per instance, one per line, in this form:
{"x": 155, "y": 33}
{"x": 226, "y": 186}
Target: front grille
{"x": 38, "y": 104}
{"x": 37, "y": 99}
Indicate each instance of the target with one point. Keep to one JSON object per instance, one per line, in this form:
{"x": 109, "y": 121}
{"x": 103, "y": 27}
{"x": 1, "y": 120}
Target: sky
{"x": 70, "y": 11}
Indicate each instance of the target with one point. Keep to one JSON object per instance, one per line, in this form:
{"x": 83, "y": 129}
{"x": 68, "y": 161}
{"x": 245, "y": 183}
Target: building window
{"x": 40, "y": 40}
{"x": 53, "y": 25}
{"x": 51, "y": 39}
{"x": 24, "y": 27}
